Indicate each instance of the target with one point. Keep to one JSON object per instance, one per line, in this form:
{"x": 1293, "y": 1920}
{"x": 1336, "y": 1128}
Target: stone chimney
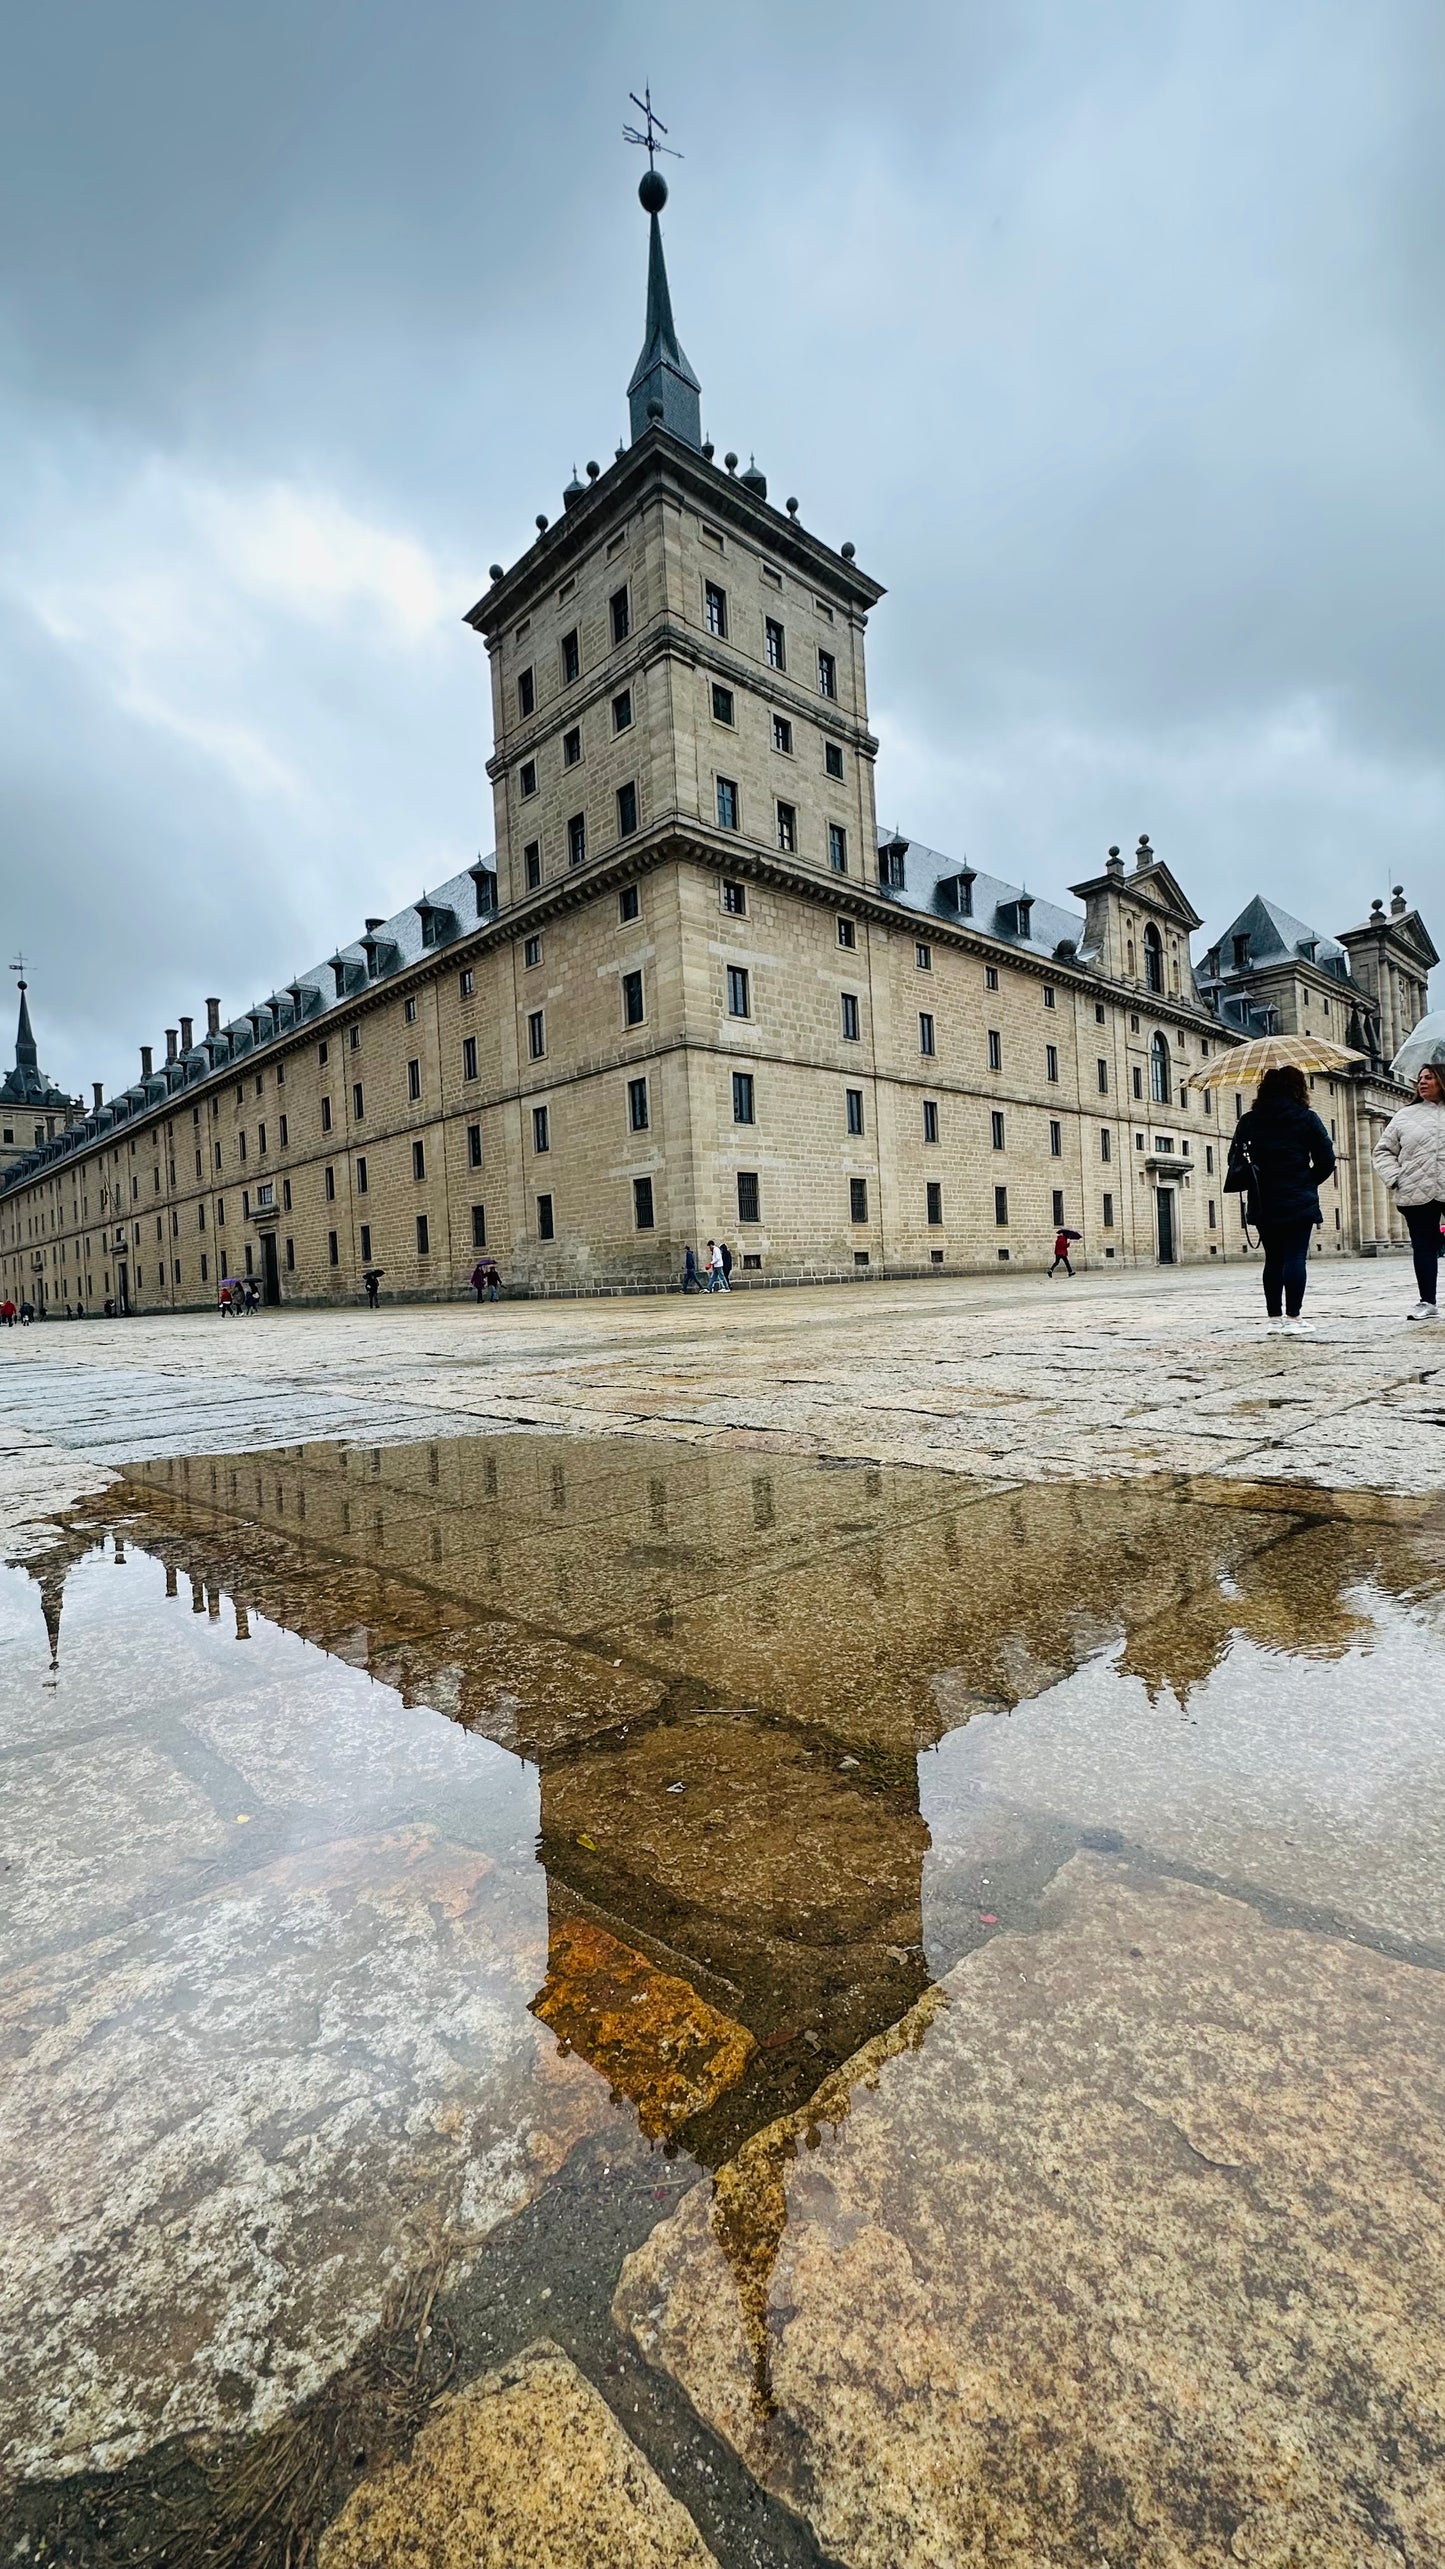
{"x": 1398, "y": 902}
{"x": 213, "y": 1016}
{"x": 145, "y": 1061}
{"x": 170, "y": 1043}
{"x": 188, "y": 1038}
{"x": 97, "y": 1090}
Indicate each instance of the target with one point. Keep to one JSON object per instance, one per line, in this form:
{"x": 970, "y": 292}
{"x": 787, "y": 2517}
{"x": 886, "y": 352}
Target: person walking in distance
{"x": 371, "y": 1278}
{"x": 717, "y": 1272}
{"x": 1061, "y": 1250}
{"x": 478, "y": 1279}
{"x": 1410, "y": 1157}
{"x": 1279, "y": 1156}
{"x": 691, "y": 1280}
{"x": 494, "y": 1280}
{"x": 726, "y": 1255}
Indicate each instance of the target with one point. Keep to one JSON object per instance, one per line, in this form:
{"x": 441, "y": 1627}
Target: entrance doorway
{"x": 270, "y": 1272}
{"x": 122, "y": 1287}
{"x": 1166, "y": 1226}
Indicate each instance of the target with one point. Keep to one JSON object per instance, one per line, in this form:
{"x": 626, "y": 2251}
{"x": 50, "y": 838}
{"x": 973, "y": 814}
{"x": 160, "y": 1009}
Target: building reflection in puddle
{"x": 803, "y": 1736}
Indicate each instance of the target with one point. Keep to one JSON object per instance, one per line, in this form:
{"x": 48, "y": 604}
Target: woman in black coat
{"x": 1279, "y": 1157}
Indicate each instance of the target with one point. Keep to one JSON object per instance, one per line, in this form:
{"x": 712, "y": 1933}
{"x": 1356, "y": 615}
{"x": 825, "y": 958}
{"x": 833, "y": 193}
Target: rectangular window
{"x": 622, "y": 711}
{"x": 479, "y": 1226}
{"x": 1103, "y": 1069}
{"x": 629, "y": 903}
{"x": 353, "y": 1033}
{"x": 1000, "y": 1206}
{"x": 469, "y": 1043}
{"x": 788, "y": 828}
{"x": 995, "y": 1049}
{"x": 365, "y": 1246}
{"x": 1108, "y": 1213}
{"x": 361, "y": 1178}
{"x": 423, "y": 1236}
{"x": 930, "y": 1119}
{"x": 749, "y": 1208}
{"x": 571, "y": 657}
{"x": 775, "y": 649}
{"x": 626, "y": 810}
{"x": 715, "y": 609}
{"x": 333, "y": 1250}
{"x": 739, "y": 995}
{"x": 743, "y": 1097}
{"x": 358, "y": 1102}
{"x": 1099, "y": 1012}
{"x": 526, "y": 693}
{"x": 532, "y": 868}
{"x": 857, "y": 1199}
{"x": 1058, "y": 1212}
{"x": 642, "y": 1213}
{"x": 328, "y": 1182}
{"x": 1050, "y": 998}
{"x": 577, "y": 838}
{"x": 1137, "y": 1076}
{"x": 722, "y": 705}
{"x": 260, "y": 1148}
{"x": 413, "y": 1080}
{"x": 727, "y": 803}
{"x": 637, "y": 1116}
{"x": 832, "y": 759}
{"x": 290, "y": 1257}
{"x": 285, "y": 1133}
{"x": 1209, "y": 1149}
{"x": 935, "y": 1203}
{"x": 541, "y": 1129}
{"x": 527, "y": 778}
{"x": 996, "y": 1127}
{"x": 990, "y": 976}
{"x": 1106, "y": 1143}
{"x": 572, "y": 746}
{"x": 847, "y": 934}
{"x": 853, "y": 1099}
{"x": 1056, "y": 1140}
{"x": 135, "y": 1181}
{"x": 620, "y": 614}
{"x": 735, "y": 899}
{"x": 849, "y": 1005}
{"x": 827, "y": 674}
{"x": 545, "y": 1226}
{"x": 418, "y": 1159}
{"x": 923, "y": 958}
{"x": 837, "y": 847}
{"x": 1213, "y": 1220}
{"x": 536, "y": 1034}
{"x": 632, "y": 1008}
{"x": 474, "y": 1146}
{"x": 783, "y": 735}
{"x": 925, "y": 1032}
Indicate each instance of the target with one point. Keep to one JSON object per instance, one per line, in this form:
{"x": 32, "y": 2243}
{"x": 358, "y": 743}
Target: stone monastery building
{"x": 697, "y": 992}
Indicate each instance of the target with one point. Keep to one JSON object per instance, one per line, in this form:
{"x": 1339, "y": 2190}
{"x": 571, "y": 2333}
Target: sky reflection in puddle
{"x": 397, "y": 1825}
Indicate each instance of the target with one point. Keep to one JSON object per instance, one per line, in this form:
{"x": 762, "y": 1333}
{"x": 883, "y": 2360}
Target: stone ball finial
{"x": 792, "y": 507}
{"x": 1143, "y": 838}
{"x": 654, "y": 408}
{"x": 1113, "y": 851}
{"x": 731, "y": 461}
{"x": 592, "y": 472}
{"x": 849, "y": 552}
{"x": 708, "y": 449}
{"x": 497, "y": 573}
{"x": 652, "y": 191}
{"x": 541, "y": 522}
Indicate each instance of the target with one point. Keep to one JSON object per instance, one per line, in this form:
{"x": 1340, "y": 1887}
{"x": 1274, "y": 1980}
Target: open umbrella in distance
{"x": 1426, "y": 1044}
{"x": 1244, "y": 1065}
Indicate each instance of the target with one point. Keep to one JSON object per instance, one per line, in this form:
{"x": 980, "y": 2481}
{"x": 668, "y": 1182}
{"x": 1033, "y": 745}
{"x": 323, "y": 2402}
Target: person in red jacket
{"x": 1061, "y": 1252}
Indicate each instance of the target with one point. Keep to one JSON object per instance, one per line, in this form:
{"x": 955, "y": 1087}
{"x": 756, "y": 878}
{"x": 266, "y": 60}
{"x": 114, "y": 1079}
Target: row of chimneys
{"x": 179, "y": 1039}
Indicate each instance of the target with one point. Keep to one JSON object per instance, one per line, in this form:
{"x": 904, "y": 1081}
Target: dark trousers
{"x": 1422, "y": 1221}
{"x": 1061, "y": 1262}
{"x": 1286, "y": 1247}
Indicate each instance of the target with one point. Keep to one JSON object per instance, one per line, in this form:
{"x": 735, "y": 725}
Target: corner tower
{"x": 675, "y": 659}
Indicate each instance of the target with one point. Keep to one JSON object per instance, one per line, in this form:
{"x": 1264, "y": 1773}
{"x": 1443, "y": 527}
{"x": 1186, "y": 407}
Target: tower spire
{"x": 663, "y": 387}
{"x": 26, "y": 1056}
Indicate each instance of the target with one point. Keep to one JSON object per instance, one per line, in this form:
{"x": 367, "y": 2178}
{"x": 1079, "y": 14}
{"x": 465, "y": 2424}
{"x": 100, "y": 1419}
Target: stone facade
{"x": 697, "y": 994}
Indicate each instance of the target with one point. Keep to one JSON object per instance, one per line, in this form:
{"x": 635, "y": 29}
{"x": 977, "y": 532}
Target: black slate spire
{"x": 663, "y": 383}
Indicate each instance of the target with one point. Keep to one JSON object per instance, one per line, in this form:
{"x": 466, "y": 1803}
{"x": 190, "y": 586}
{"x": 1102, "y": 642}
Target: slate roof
{"x": 926, "y": 870}
{"x": 1275, "y": 936}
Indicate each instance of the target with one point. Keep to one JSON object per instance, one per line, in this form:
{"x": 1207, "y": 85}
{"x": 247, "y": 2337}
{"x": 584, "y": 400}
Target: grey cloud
{"x": 1110, "y": 336}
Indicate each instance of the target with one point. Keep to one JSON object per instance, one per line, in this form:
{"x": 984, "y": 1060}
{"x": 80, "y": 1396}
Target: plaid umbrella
{"x": 1244, "y": 1065}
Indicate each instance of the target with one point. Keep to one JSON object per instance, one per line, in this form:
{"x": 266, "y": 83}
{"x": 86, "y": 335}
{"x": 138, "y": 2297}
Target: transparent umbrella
{"x": 1426, "y": 1044}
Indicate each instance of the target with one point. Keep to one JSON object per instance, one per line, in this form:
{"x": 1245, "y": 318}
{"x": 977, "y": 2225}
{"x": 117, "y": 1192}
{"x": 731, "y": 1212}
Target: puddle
{"x": 444, "y": 1880}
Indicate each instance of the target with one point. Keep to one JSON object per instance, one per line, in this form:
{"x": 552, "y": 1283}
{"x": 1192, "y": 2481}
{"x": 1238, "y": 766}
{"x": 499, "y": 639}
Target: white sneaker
{"x": 1424, "y": 1311}
{"x": 1299, "y": 1328}
{"x": 1274, "y": 1325}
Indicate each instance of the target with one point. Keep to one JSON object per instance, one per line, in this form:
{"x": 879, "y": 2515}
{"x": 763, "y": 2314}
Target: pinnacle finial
{"x": 663, "y": 388}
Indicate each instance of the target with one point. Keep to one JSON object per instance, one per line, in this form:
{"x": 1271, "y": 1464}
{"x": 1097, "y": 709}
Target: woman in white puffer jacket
{"x": 1410, "y": 1157}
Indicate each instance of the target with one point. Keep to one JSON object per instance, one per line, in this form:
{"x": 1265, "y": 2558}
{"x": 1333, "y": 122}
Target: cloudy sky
{"x": 1108, "y": 330}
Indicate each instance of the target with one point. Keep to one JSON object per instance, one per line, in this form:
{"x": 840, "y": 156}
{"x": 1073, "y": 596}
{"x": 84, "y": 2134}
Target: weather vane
{"x": 654, "y": 127}
{"x": 19, "y": 966}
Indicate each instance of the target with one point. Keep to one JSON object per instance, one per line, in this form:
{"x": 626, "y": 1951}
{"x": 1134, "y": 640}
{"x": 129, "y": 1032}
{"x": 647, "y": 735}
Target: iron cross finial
{"x": 19, "y": 966}
{"x": 654, "y": 126}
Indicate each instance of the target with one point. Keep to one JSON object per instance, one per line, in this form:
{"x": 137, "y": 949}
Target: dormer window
{"x": 1241, "y": 953}
{"x": 891, "y": 865}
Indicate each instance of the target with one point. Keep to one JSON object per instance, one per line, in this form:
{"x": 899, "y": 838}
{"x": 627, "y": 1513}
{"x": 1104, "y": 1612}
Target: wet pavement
{"x": 589, "y": 1999}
